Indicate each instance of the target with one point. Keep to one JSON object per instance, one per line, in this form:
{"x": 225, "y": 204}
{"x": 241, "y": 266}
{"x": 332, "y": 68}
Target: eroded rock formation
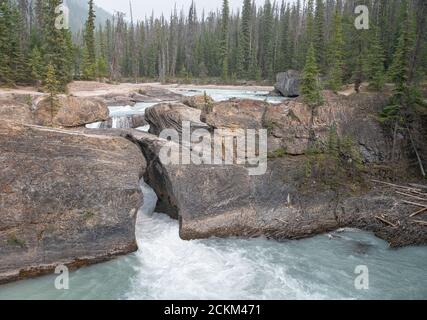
{"x": 15, "y": 111}
{"x": 70, "y": 111}
{"x": 286, "y": 202}
{"x": 66, "y": 197}
{"x": 171, "y": 116}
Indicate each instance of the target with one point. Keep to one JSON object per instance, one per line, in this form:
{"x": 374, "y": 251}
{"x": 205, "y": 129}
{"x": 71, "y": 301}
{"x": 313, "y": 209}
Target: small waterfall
{"x": 95, "y": 125}
{"x": 122, "y": 122}
{"x": 150, "y": 199}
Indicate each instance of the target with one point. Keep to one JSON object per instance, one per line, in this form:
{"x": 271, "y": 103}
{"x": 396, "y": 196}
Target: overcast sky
{"x": 145, "y": 7}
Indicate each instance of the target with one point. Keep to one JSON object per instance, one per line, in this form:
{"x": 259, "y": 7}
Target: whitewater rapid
{"x": 166, "y": 267}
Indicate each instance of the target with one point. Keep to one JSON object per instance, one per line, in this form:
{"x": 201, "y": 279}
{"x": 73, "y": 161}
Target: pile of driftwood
{"x": 414, "y": 195}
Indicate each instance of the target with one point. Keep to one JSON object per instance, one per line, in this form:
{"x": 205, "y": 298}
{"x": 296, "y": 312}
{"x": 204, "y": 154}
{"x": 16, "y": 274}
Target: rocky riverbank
{"x": 66, "y": 198}
{"x": 70, "y": 196}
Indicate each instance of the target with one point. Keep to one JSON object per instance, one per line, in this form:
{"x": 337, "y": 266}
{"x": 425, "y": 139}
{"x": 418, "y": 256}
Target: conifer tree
{"x": 319, "y": 35}
{"x": 36, "y": 64}
{"x": 245, "y": 36}
{"x": 89, "y": 69}
{"x": 52, "y": 86}
{"x": 6, "y": 49}
{"x": 310, "y": 86}
{"x": 405, "y": 96}
{"x": 57, "y": 45}
{"x": 267, "y": 41}
{"x": 336, "y": 54}
{"x": 224, "y": 39}
{"x": 375, "y": 61}
{"x": 399, "y": 70}
{"x": 284, "y": 59}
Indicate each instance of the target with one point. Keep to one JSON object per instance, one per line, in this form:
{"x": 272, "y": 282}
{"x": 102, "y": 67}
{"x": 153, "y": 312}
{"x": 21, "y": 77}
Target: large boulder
{"x": 292, "y": 123}
{"x": 171, "y": 116}
{"x": 70, "y": 111}
{"x": 236, "y": 114}
{"x": 224, "y": 201}
{"x": 15, "y": 111}
{"x": 200, "y": 102}
{"x": 288, "y": 83}
{"x": 66, "y": 197}
{"x": 117, "y": 100}
{"x": 289, "y": 127}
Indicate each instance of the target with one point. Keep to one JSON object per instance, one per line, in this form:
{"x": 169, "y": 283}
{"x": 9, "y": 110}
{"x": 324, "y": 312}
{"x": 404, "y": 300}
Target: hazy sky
{"x": 145, "y": 7}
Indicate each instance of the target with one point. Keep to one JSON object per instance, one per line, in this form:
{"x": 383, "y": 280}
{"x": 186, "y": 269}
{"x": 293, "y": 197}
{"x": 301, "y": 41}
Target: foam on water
{"x": 167, "y": 267}
{"x": 225, "y": 94}
{"x": 138, "y": 108}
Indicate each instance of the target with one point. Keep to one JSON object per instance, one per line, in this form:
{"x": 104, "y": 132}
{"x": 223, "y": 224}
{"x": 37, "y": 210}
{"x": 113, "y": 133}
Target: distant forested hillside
{"x": 316, "y": 36}
{"x": 79, "y": 12}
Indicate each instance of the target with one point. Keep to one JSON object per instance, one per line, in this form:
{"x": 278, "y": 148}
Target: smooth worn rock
{"x": 236, "y": 114}
{"x": 288, "y": 83}
{"x": 224, "y": 201}
{"x": 171, "y": 116}
{"x": 66, "y": 197}
{"x": 70, "y": 112}
{"x": 117, "y": 100}
{"x": 143, "y": 95}
{"x": 155, "y": 94}
{"x": 12, "y": 110}
{"x": 200, "y": 102}
{"x": 288, "y": 125}
{"x": 291, "y": 123}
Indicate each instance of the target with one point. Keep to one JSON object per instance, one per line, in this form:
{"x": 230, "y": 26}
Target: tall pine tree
{"x": 319, "y": 35}
{"x": 224, "y": 39}
{"x": 245, "y": 36}
{"x": 310, "y": 85}
{"x": 89, "y": 55}
{"x": 57, "y": 46}
{"x": 336, "y": 54}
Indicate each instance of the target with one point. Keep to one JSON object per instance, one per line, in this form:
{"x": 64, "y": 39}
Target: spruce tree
{"x": 102, "y": 67}
{"x": 89, "y": 64}
{"x": 52, "y": 86}
{"x": 309, "y": 33}
{"x": 310, "y": 86}
{"x": 6, "y": 48}
{"x": 319, "y": 35}
{"x": 284, "y": 60}
{"x": 375, "y": 61}
{"x": 245, "y": 36}
{"x": 57, "y": 45}
{"x": 336, "y": 54}
{"x": 36, "y": 64}
{"x": 19, "y": 59}
{"x": 224, "y": 39}
{"x": 405, "y": 96}
{"x": 399, "y": 70}
{"x": 88, "y": 67}
{"x": 267, "y": 41}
